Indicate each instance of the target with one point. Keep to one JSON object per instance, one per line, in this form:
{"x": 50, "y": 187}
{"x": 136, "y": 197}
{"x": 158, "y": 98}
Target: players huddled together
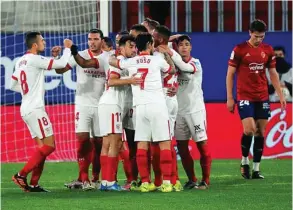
{"x": 131, "y": 103}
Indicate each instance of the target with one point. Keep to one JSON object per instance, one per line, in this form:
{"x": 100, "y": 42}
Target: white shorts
{"x": 38, "y": 123}
{"x": 129, "y": 118}
{"x": 191, "y": 125}
{"x": 152, "y": 123}
{"x": 172, "y": 105}
{"x": 87, "y": 120}
{"x": 110, "y": 119}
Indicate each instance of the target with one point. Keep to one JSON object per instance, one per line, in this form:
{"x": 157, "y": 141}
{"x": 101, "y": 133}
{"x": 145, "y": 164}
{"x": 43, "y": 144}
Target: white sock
{"x": 256, "y": 166}
{"x": 245, "y": 160}
{"x": 104, "y": 182}
{"x": 110, "y": 183}
{"x": 166, "y": 182}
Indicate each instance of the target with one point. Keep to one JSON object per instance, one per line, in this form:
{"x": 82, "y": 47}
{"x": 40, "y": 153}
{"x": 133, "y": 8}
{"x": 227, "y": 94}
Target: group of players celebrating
{"x": 140, "y": 89}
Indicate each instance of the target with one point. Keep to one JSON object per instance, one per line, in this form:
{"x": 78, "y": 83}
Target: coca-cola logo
{"x": 278, "y": 142}
{"x": 256, "y": 66}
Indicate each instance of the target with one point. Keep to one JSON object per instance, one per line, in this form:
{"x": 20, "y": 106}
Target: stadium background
{"x": 215, "y": 27}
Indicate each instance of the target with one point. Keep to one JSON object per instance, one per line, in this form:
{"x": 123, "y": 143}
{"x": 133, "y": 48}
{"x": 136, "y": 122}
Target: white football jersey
{"x": 114, "y": 95}
{"x": 180, "y": 64}
{"x": 190, "y": 94}
{"x": 90, "y": 81}
{"x": 148, "y": 68}
{"x": 29, "y": 75}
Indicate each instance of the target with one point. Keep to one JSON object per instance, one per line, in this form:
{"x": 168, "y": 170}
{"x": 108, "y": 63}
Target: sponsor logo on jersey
{"x": 256, "y": 67}
{"x": 247, "y": 55}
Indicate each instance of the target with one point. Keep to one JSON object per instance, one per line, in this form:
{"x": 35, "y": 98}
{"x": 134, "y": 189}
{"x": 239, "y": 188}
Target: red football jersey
{"x": 251, "y": 63}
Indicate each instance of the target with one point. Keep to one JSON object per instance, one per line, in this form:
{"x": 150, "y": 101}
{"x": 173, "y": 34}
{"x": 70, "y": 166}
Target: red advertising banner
{"x": 224, "y": 133}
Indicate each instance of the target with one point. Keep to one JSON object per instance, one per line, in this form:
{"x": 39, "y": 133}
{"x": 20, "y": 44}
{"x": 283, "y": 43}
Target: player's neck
{"x": 251, "y": 43}
{"x": 96, "y": 52}
{"x": 32, "y": 51}
{"x": 145, "y": 52}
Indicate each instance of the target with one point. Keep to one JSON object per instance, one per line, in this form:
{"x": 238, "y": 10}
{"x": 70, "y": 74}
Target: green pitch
{"x": 228, "y": 191}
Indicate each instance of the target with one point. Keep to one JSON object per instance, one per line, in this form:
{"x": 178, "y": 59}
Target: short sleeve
{"x": 42, "y": 62}
{"x": 235, "y": 57}
{"x": 164, "y": 66}
{"x": 124, "y": 63}
{"x": 115, "y": 71}
{"x": 272, "y": 59}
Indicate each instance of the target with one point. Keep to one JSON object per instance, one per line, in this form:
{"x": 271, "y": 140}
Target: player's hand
{"x": 231, "y": 105}
{"x": 172, "y": 91}
{"x": 67, "y": 43}
{"x": 136, "y": 80}
{"x": 283, "y": 103}
{"x": 55, "y": 51}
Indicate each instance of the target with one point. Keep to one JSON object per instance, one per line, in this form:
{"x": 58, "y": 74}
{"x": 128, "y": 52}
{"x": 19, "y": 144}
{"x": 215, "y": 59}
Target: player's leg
{"x": 155, "y": 162}
{"x": 262, "y": 113}
{"x": 182, "y": 135}
{"x": 197, "y": 125}
{"x": 142, "y": 137}
{"x": 124, "y": 155}
{"x": 159, "y": 119}
{"x": 246, "y": 112}
{"x": 41, "y": 130}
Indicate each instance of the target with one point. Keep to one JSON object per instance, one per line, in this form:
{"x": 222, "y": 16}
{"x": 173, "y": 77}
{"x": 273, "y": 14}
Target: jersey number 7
{"x": 143, "y": 72}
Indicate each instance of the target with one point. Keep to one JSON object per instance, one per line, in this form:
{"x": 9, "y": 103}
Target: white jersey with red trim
{"x": 90, "y": 81}
{"x": 190, "y": 94}
{"x": 114, "y": 95}
{"x": 30, "y": 76}
{"x": 149, "y": 68}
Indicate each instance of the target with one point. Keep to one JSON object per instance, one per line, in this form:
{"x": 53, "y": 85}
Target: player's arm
{"x": 91, "y": 63}
{"x": 177, "y": 59}
{"x": 115, "y": 80}
{"x": 120, "y": 63}
{"x": 71, "y": 63}
{"x": 172, "y": 67}
{"x": 14, "y": 84}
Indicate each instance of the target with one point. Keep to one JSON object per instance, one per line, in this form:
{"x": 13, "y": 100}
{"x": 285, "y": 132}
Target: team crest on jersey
{"x": 263, "y": 55}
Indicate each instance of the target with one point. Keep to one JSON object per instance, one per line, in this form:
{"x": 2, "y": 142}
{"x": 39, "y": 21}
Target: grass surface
{"x": 228, "y": 190}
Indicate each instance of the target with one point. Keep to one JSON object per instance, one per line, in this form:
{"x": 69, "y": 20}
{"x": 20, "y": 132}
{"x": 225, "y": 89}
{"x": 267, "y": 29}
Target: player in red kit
{"x": 249, "y": 60}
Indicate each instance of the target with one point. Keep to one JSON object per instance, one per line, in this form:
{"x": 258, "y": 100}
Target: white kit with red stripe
{"x": 90, "y": 81}
{"x": 29, "y": 80}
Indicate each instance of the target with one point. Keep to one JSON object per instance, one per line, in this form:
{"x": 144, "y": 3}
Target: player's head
{"x": 34, "y": 40}
{"x": 137, "y": 29}
{"x": 161, "y": 35}
{"x": 95, "y": 37}
{"x": 127, "y": 46}
{"x": 279, "y": 51}
{"x": 257, "y": 31}
{"x": 145, "y": 42}
{"x": 107, "y": 44}
{"x": 118, "y": 37}
{"x": 150, "y": 24}
{"x": 184, "y": 45}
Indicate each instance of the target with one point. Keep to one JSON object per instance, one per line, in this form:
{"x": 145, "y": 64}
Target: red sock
{"x": 155, "y": 149}
{"x": 149, "y": 154}
{"x": 37, "y": 172}
{"x": 205, "y": 162}
{"x": 187, "y": 161}
{"x": 126, "y": 165}
{"x": 36, "y": 159}
{"x": 142, "y": 164}
{"x": 112, "y": 163}
{"x": 104, "y": 164}
{"x": 174, "y": 176}
{"x": 166, "y": 164}
{"x": 84, "y": 148}
{"x": 134, "y": 169}
{"x": 96, "y": 164}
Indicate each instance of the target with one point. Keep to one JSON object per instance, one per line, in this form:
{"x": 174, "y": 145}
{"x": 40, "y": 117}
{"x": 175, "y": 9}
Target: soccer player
{"x": 107, "y": 44}
{"x": 150, "y": 24}
{"x": 249, "y": 61}
{"x": 29, "y": 80}
{"x": 111, "y": 114}
{"x": 191, "y": 118}
{"x": 136, "y": 29}
{"x": 90, "y": 87}
{"x": 152, "y": 120}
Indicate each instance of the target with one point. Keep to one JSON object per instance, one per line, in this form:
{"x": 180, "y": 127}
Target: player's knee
{"x": 260, "y": 132}
{"x": 249, "y": 131}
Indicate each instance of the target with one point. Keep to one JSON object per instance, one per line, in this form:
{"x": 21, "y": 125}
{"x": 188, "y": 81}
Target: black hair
{"x": 97, "y": 31}
{"x": 108, "y": 41}
{"x": 258, "y": 25}
{"x": 139, "y": 28}
{"x": 152, "y": 23}
{"x": 163, "y": 31}
{"x": 280, "y": 48}
{"x": 142, "y": 40}
{"x": 123, "y": 33}
{"x": 183, "y": 37}
{"x": 125, "y": 39}
{"x": 31, "y": 38}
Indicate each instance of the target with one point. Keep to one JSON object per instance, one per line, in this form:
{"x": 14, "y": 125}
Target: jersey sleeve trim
{"x": 118, "y": 64}
{"x": 194, "y": 67}
{"x": 169, "y": 69}
{"x": 68, "y": 66}
{"x": 231, "y": 63}
{"x": 14, "y": 78}
{"x": 115, "y": 73}
{"x": 50, "y": 64}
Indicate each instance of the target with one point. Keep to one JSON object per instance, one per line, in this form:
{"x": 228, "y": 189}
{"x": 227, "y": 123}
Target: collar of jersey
{"x": 141, "y": 54}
